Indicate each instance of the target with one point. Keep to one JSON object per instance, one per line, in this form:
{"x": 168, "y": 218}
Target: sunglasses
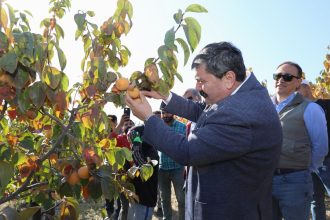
{"x": 286, "y": 77}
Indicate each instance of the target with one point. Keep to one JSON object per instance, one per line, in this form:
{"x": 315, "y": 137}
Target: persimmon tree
{"x": 55, "y": 145}
{"x": 321, "y": 88}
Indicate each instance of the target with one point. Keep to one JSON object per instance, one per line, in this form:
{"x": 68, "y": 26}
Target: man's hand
{"x": 141, "y": 109}
{"x": 154, "y": 94}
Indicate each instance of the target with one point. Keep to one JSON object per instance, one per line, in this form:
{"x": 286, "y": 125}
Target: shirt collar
{"x": 248, "y": 74}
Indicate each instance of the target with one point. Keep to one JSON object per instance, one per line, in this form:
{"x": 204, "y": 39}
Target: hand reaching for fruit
{"x": 140, "y": 107}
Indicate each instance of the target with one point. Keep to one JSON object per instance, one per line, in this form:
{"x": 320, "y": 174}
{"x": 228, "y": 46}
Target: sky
{"x": 267, "y": 32}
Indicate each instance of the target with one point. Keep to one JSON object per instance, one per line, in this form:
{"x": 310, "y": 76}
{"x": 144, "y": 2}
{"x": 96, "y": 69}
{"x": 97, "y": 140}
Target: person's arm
{"x": 317, "y": 129}
{"x": 123, "y": 118}
{"x": 225, "y": 135}
{"x": 184, "y": 108}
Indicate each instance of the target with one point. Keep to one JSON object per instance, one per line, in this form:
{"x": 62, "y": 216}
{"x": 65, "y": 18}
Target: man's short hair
{"x": 219, "y": 58}
{"x": 296, "y": 65}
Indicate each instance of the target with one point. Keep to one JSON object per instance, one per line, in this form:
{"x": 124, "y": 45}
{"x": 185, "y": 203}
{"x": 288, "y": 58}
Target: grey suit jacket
{"x": 233, "y": 152}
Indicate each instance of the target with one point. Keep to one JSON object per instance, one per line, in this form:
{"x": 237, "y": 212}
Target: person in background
{"x": 143, "y": 153}
{"x": 321, "y": 178}
{"x": 171, "y": 172}
{"x": 305, "y": 144}
{"x": 159, "y": 210}
{"x": 120, "y": 133}
{"x": 235, "y": 146}
{"x": 190, "y": 94}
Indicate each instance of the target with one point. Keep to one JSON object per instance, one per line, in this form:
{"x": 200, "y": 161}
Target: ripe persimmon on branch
{"x": 47, "y": 131}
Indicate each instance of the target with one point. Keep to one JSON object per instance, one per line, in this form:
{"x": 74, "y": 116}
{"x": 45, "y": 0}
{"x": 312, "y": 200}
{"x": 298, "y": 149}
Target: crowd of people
{"x": 241, "y": 153}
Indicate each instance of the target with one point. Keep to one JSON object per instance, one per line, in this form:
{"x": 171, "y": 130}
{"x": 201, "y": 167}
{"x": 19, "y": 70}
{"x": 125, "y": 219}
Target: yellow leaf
{"x": 105, "y": 143}
{"x": 3, "y": 18}
{"x": 86, "y": 122}
{"x": 10, "y": 36}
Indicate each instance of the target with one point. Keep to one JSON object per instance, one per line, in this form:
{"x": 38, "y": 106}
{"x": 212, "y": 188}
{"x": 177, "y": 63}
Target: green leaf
{"x": 61, "y": 57}
{"x": 52, "y": 77}
{"x": 25, "y": 42}
{"x": 124, "y": 57}
{"x": 6, "y": 173}
{"x": 59, "y": 31}
{"x": 146, "y": 171}
{"x": 37, "y": 94}
{"x": 185, "y": 48}
{"x": 192, "y": 31}
{"x": 27, "y": 143}
{"x": 91, "y": 13}
{"x": 127, "y": 153}
{"x": 195, "y": 8}
{"x": 21, "y": 78}
{"x": 45, "y": 22}
{"x": 178, "y": 16}
{"x": 120, "y": 156}
{"x": 169, "y": 38}
{"x": 107, "y": 183}
{"x": 8, "y": 62}
{"x": 64, "y": 85}
{"x": 129, "y": 9}
{"x": 23, "y": 101}
{"x": 3, "y": 41}
{"x": 163, "y": 53}
{"x": 178, "y": 76}
{"x": 65, "y": 190}
{"x": 12, "y": 17}
{"x": 27, "y": 213}
{"x": 110, "y": 155}
{"x": 78, "y": 33}
{"x": 95, "y": 188}
{"x": 78, "y": 130}
{"x": 80, "y": 20}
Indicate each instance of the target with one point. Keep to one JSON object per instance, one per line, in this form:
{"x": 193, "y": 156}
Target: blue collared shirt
{"x": 165, "y": 162}
{"x": 316, "y": 126}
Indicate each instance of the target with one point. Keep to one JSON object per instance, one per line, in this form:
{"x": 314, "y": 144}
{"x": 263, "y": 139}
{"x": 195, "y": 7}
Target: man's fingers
{"x": 128, "y": 100}
{"x": 143, "y": 97}
{"x": 148, "y": 94}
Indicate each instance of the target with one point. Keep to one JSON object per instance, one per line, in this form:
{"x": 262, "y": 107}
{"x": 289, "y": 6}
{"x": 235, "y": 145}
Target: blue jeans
{"x": 321, "y": 183}
{"x": 292, "y": 195}
{"x": 165, "y": 177}
{"x": 137, "y": 211}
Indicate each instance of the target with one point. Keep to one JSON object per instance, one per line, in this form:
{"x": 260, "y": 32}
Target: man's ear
{"x": 230, "y": 79}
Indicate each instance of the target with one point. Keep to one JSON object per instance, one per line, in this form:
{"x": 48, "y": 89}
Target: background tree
{"x": 54, "y": 140}
{"x": 321, "y": 88}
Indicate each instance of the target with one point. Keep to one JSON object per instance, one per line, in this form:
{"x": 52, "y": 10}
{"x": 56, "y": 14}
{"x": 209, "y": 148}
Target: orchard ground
{"x": 93, "y": 211}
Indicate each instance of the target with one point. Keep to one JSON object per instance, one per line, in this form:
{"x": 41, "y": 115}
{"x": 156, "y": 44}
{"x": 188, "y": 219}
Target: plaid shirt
{"x": 165, "y": 162}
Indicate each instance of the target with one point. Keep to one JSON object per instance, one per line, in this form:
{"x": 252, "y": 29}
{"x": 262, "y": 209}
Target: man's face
{"x": 167, "y": 117}
{"x": 286, "y": 88}
{"x": 127, "y": 125}
{"x": 191, "y": 96}
{"x": 214, "y": 88}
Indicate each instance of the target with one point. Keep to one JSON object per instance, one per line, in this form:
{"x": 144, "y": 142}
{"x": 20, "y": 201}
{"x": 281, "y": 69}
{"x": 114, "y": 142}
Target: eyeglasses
{"x": 287, "y": 77}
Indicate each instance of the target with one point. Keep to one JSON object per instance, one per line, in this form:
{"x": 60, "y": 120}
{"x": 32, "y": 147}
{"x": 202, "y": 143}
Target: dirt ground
{"x": 93, "y": 210}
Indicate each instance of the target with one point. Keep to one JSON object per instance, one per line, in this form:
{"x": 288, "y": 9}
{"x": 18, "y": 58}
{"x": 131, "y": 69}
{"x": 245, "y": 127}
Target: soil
{"x": 92, "y": 210}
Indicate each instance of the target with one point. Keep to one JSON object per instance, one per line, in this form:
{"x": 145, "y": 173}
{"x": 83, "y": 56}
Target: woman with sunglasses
{"x": 304, "y": 145}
